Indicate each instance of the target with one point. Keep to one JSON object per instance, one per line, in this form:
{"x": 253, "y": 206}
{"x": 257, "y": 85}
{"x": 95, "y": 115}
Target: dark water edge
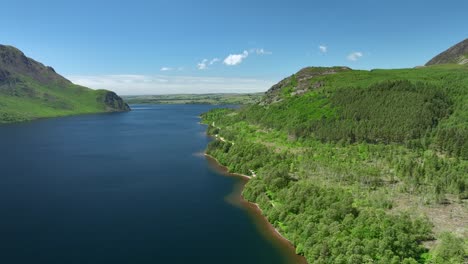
{"x": 262, "y": 223}
{"x": 122, "y": 188}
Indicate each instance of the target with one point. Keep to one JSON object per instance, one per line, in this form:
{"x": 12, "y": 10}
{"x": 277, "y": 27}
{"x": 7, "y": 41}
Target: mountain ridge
{"x": 13, "y": 60}
{"x": 458, "y": 54}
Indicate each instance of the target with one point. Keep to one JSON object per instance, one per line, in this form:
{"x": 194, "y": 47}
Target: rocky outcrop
{"x": 4, "y": 76}
{"x": 299, "y": 83}
{"x": 114, "y": 103}
{"x": 457, "y": 54}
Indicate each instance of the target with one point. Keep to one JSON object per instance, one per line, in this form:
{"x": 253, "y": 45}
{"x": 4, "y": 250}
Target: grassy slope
{"x": 215, "y": 99}
{"x": 393, "y": 177}
{"x": 49, "y": 101}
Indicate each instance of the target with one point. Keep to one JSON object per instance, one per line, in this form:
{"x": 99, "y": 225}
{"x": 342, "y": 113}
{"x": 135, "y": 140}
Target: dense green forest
{"x": 357, "y": 166}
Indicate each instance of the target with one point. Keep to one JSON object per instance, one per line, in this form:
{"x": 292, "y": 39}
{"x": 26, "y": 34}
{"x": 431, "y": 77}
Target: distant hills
{"x": 457, "y": 54}
{"x": 30, "y": 90}
{"x": 211, "y": 99}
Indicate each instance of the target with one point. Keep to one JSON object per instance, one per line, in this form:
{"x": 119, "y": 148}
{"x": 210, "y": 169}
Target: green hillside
{"x": 30, "y": 90}
{"x": 357, "y": 166}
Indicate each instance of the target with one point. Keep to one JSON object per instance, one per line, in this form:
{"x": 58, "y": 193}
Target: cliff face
{"x": 456, "y": 54}
{"x": 114, "y": 102}
{"x": 29, "y": 90}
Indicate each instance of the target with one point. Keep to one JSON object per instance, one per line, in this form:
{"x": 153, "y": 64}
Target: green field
{"x": 213, "y": 99}
{"x": 357, "y": 166}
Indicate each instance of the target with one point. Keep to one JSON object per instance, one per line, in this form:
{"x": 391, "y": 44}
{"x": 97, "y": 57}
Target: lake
{"x": 123, "y": 188}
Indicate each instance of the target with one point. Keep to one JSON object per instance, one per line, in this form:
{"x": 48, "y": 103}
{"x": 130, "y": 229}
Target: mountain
{"x": 356, "y": 166}
{"x": 30, "y": 90}
{"x": 457, "y": 54}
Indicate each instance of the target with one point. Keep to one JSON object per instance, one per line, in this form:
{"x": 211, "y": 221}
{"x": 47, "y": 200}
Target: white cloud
{"x": 323, "y": 49}
{"x": 235, "y": 59}
{"x": 213, "y": 61}
{"x": 166, "y": 69}
{"x": 161, "y": 84}
{"x": 354, "y": 56}
{"x": 261, "y": 51}
{"x": 202, "y": 65}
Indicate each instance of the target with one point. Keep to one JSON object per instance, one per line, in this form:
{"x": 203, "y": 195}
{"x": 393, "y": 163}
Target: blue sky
{"x": 175, "y": 46}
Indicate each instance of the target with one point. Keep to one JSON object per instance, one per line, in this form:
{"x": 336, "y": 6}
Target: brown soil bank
{"x": 265, "y": 227}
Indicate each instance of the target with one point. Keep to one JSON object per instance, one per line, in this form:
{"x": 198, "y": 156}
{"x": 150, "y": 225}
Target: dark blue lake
{"x": 121, "y": 188}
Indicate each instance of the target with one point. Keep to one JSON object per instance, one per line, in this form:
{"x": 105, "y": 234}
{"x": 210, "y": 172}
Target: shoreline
{"x": 225, "y": 169}
{"x": 264, "y": 226}
{"x": 41, "y": 118}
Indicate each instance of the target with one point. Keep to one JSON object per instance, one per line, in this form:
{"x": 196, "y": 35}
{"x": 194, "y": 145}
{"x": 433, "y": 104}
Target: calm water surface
{"x": 121, "y": 188}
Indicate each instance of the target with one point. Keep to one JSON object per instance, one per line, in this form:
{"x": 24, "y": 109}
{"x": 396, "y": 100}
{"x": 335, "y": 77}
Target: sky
{"x": 180, "y": 46}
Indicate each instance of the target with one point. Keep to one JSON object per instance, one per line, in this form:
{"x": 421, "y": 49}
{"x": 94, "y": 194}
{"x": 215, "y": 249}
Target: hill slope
{"x": 357, "y": 166}
{"x": 30, "y": 90}
{"x": 457, "y": 54}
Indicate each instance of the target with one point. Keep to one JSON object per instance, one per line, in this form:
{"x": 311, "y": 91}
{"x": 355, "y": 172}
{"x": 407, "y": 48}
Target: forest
{"x": 353, "y": 171}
